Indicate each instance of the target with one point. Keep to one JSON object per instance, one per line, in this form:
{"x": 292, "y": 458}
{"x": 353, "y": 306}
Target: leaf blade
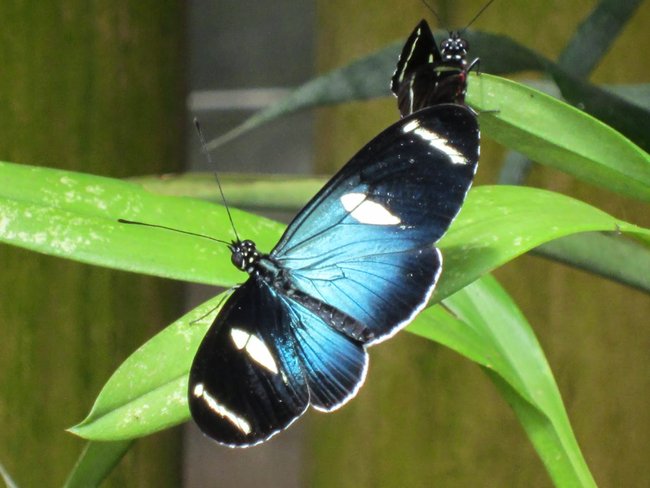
{"x": 553, "y": 133}
{"x": 513, "y": 359}
{"x": 96, "y": 462}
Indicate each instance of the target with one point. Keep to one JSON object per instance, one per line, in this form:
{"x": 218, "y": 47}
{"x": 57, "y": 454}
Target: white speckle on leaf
{"x": 186, "y": 334}
{"x": 100, "y": 204}
{"x": 95, "y": 189}
{"x": 39, "y": 238}
{"x": 96, "y": 237}
{"x": 67, "y": 181}
{"x": 66, "y": 245}
{"x": 5, "y": 220}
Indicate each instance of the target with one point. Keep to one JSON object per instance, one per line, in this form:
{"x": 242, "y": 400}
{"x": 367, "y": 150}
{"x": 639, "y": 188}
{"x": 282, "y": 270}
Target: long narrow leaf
{"x": 252, "y": 191}
{"x": 499, "y": 223}
{"x": 7, "y": 478}
{"x": 612, "y": 257}
{"x": 74, "y": 215}
{"x": 595, "y": 35}
{"x": 489, "y": 329}
{"x": 554, "y": 133}
{"x": 96, "y": 462}
{"x": 147, "y": 393}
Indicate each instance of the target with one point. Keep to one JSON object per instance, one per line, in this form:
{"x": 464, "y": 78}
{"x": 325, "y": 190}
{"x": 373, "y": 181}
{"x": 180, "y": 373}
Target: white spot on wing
{"x": 436, "y": 141}
{"x": 239, "y": 422}
{"x": 256, "y": 349}
{"x": 261, "y": 354}
{"x": 366, "y": 211}
{"x": 413, "y": 124}
{"x": 239, "y": 337}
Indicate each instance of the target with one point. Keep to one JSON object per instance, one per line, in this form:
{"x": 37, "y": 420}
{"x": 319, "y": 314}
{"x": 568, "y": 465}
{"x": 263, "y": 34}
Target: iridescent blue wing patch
{"x": 364, "y": 244}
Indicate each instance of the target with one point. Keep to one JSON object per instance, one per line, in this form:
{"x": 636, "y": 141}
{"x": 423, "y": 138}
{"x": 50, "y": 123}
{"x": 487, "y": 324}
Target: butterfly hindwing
{"x": 334, "y": 364}
{"x": 245, "y": 383}
{"x": 263, "y": 361}
{"x": 364, "y": 244}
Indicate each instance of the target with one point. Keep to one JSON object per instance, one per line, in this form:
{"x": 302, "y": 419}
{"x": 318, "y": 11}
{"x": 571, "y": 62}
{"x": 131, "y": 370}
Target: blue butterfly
{"x": 355, "y": 266}
{"x": 426, "y": 75}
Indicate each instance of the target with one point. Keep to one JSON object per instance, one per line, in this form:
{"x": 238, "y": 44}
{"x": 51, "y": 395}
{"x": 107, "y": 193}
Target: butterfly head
{"x": 244, "y": 255}
{"x": 454, "y": 49}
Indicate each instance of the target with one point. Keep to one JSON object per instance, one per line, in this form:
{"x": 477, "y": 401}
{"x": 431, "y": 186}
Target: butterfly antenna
{"x": 432, "y": 10}
{"x": 133, "y": 222}
{"x": 477, "y": 15}
{"x": 204, "y": 148}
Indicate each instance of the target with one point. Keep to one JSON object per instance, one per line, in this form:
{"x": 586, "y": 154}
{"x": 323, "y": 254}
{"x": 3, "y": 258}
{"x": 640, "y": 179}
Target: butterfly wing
{"x": 420, "y": 49}
{"x": 426, "y": 76}
{"x": 415, "y": 81}
{"x": 364, "y": 244}
{"x": 263, "y": 361}
{"x": 245, "y": 382}
{"x": 334, "y": 365}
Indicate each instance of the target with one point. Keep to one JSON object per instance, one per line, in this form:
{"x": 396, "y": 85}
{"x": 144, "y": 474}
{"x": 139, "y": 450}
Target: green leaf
{"x": 499, "y": 223}
{"x": 282, "y": 192}
{"x": 366, "y": 78}
{"x": 148, "y": 392}
{"x": 596, "y": 34}
{"x": 74, "y": 215}
{"x": 627, "y": 117}
{"x": 96, "y": 462}
{"x": 613, "y": 257}
{"x": 637, "y": 94}
{"x": 554, "y": 133}
{"x": 489, "y": 329}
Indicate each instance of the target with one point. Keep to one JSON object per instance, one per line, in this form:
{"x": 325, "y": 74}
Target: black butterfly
{"x": 426, "y": 75}
{"x": 354, "y": 267}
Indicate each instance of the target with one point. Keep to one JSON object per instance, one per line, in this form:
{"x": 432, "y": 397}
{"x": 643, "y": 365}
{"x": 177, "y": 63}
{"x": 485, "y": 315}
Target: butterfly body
{"x": 427, "y": 75}
{"x": 355, "y": 266}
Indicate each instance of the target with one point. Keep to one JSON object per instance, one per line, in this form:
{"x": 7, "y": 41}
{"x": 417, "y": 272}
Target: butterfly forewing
{"x": 426, "y": 75}
{"x": 365, "y": 242}
{"x": 420, "y": 49}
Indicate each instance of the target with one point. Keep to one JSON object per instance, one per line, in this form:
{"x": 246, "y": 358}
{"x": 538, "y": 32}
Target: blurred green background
{"x": 101, "y": 87}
